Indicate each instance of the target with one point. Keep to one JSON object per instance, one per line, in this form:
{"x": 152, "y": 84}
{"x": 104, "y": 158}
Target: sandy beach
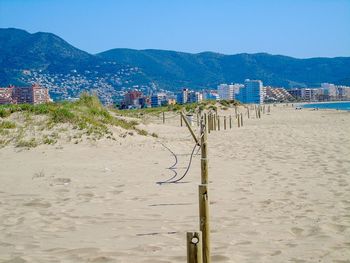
{"x": 279, "y": 192}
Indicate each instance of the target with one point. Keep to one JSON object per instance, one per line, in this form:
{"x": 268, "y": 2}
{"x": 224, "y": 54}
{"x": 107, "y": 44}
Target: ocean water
{"x": 344, "y": 105}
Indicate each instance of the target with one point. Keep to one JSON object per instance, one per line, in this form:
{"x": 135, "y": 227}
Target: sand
{"x": 279, "y": 192}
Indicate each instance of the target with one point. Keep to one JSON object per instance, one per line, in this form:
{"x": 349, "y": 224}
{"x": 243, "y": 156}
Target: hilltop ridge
{"x": 66, "y": 70}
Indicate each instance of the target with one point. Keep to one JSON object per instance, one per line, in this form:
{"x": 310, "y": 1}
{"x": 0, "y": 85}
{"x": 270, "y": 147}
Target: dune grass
{"x": 188, "y": 108}
{"x": 86, "y": 114}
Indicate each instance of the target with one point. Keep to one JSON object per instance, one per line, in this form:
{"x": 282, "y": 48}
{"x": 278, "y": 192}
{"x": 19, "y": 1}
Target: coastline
{"x": 323, "y": 105}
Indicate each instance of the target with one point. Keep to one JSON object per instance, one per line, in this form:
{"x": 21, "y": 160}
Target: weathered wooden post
{"x": 268, "y": 109}
{"x": 256, "y": 112}
{"x": 230, "y": 122}
{"x": 163, "y": 117}
{"x": 238, "y": 122}
{"x": 204, "y": 156}
{"x": 197, "y": 119}
{"x": 181, "y": 120}
{"x": 203, "y": 199}
{"x": 248, "y": 112}
{"x": 242, "y": 119}
{"x": 259, "y": 112}
{"x": 218, "y": 123}
{"x": 224, "y": 122}
{"x": 204, "y": 221}
{"x": 206, "y": 122}
{"x": 194, "y": 247}
{"x": 189, "y": 127}
{"x": 209, "y": 122}
{"x": 264, "y": 109}
{"x": 214, "y": 121}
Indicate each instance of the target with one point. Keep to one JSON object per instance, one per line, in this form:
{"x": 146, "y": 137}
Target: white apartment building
{"x": 226, "y": 92}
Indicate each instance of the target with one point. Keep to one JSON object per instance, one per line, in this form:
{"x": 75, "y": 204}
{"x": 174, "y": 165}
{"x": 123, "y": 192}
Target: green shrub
{"x": 154, "y": 135}
{"x": 4, "y": 112}
{"x": 49, "y": 141}
{"x": 62, "y": 115}
{"x": 141, "y": 132}
{"x": 29, "y": 144}
{"x": 7, "y": 125}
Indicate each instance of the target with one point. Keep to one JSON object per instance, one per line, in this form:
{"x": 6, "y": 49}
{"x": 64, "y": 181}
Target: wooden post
{"x": 242, "y": 119}
{"x": 256, "y": 112}
{"x": 206, "y": 123}
{"x": 204, "y": 156}
{"x": 259, "y": 112}
{"x": 214, "y": 121}
{"x": 238, "y": 122}
{"x": 218, "y": 122}
{"x": 189, "y": 127}
{"x": 230, "y": 122}
{"x": 204, "y": 221}
{"x": 181, "y": 120}
{"x": 264, "y": 109}
{"x": 197, "y": 120}
{"x": 163, "y": 117}
{"x": 248, "y": 112}
{"x": 224, "y": 122}
{"x": 194, "y": 247}
{"x": 209, "y": 122}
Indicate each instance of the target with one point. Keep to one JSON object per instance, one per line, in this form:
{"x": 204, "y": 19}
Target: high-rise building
{"x": 210, "y": 95}
{"x": 159, "y": 99}
{"x": 226, "y": 92}
{"x": 182, "y": 97}
{"x": 252, "y": 92}
{"x": 331, "y": 88}
{"x": 18, "y": 95}
{"x": 40, "y": 95}
{"x": 194, "y": 97}
{"x": 295, "y": 92}
{"x": 308, "y": 94}
{"x": 6, "y": 95}
{"x": 131, "y": 98}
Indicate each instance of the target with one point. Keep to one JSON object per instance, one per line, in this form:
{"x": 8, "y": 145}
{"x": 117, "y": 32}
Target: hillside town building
{"x": 34, "y": 94}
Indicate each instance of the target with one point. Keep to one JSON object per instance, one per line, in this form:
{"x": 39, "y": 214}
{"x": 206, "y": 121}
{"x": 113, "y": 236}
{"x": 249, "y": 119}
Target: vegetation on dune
{"x": 86, "y": 115}
{"x": 187, "y": 108}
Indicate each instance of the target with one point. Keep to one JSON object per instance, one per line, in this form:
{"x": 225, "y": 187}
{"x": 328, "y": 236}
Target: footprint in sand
{"x": 337, "y": 227}
{"x": 297, "y": 231}
{"x": 38, "y": 203}
{"x": 60, "y": 181}
{"x": 276, "y": 253}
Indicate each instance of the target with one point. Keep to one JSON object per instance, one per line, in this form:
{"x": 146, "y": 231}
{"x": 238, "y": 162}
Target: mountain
{"x": 207, "y": 69}
{"x": 46, "y": 58}
{"x": 49, "y": 60}
{"x": 41, "y": 51}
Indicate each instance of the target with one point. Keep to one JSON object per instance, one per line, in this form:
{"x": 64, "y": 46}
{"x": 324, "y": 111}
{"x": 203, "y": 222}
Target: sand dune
{"x": 279, "y": 192}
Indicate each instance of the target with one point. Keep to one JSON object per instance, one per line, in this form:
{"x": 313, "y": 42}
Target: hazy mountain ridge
{"x": 208, "y": 69}
{"x": 50, "y": 54}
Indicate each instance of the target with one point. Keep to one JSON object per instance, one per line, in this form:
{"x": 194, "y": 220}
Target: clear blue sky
{"x": 299, "y": 28}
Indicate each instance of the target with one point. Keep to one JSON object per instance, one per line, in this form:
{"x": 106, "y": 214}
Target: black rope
{"x": 171, "y": 180}
{"x": 172, "y": 168}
